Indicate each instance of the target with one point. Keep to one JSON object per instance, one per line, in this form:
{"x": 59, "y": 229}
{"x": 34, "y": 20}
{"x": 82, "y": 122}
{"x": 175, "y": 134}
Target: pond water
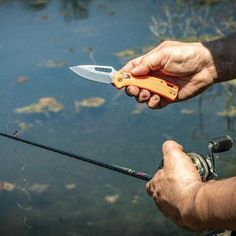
{"x": 49, "y": 194}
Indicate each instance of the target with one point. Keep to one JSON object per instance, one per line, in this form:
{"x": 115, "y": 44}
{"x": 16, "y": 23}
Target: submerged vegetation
{"x": 89, "y": 103}
{"x": 190, "y": 21}
{"x": 43, "y": 105}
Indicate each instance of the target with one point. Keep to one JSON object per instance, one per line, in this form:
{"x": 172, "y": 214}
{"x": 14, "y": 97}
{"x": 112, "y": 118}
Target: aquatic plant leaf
{"x": 139, "y": 108}
{"x": 21, "y": 79}
{"x": 70, "y": 186}
{"x": 136, "y": 199}
{"x": 24, "y": 126}
{"x": 39, "y": 188}
{"x": 230, "y": 112}
{"x": 6, "y": 186}
{"x": 89, "y": 103}
{"x": 44, "y": 104}
{"x": 126, "y": 53}
{"x": 186, "y": 111}
{"x": 52, "y": 64}
{"x": 38, "y": 3}
{"x": 111, "y": 199}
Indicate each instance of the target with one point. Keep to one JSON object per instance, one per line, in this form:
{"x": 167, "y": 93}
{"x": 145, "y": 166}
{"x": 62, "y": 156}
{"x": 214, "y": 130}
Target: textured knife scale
{"x": 153, "y": 84}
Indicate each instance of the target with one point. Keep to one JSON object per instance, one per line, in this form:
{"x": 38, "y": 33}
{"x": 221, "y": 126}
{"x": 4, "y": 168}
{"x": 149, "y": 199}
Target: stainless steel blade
{"x": 95, "y": 72}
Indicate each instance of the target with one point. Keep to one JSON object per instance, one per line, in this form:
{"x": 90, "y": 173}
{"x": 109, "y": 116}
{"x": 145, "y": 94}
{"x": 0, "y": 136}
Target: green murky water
{"x": 53, "y": 195}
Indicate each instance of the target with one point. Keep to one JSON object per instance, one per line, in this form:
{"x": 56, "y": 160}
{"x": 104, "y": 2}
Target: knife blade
{"x": 120, "y": 79}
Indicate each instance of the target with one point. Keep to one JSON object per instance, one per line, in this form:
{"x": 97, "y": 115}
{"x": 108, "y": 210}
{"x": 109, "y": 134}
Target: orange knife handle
{"x": 151, "y": 83}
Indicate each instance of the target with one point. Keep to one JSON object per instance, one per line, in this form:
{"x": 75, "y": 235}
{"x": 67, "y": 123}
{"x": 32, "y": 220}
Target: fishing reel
{"x": 206, "y": 165}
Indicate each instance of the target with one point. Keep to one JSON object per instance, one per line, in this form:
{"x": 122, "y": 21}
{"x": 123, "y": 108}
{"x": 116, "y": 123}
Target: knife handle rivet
{"x": 119, "y": 79}
{"x": 126, "y": 76}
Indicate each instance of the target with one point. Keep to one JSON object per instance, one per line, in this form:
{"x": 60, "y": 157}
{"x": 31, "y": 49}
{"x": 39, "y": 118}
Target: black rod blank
{"x": 117, "y": 168}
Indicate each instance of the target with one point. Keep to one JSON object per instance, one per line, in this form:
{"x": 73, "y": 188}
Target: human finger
{"x": 157, "y": 102}
{"x": 131, "y": 64}
{"x": 154, "y": 101}
{"x": 175, "y": 159}
{"x": 143, "y": 96}
{"x": 149, "y": 62}
{"x": 132, "y": 91}
{"x": 171, "y": 152}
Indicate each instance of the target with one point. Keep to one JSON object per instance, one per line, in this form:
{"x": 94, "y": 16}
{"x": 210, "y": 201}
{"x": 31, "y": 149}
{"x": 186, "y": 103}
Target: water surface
{"x": 55, "y": 195}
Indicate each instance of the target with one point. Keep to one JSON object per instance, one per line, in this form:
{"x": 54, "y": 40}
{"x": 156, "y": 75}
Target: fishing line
{"x": 117, "y": 168}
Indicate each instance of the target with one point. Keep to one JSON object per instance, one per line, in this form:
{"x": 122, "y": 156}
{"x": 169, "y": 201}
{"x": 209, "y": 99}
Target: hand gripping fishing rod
{"x": 204, "y": 165}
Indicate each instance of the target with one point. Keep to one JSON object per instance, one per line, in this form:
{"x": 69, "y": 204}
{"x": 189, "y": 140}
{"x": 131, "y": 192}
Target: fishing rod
{"x": 117, "y": 168}
{"x": 204, "y": 165}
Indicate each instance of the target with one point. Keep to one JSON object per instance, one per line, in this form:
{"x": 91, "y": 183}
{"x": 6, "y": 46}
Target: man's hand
{"x": 188, "y": 65}
{"x": 174, "y": 187}
{"x": 180, "y": 194}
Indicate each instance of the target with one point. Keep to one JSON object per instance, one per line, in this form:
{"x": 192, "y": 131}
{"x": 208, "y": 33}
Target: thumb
{"x": 150, "y": 61}
{"x": 172, "y": 153}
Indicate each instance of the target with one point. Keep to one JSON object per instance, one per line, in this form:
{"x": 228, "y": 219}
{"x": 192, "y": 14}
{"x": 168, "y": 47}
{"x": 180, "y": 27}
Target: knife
{"x": 120, "y": 79}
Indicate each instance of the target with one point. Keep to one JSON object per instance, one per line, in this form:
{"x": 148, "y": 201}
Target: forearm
{"x": 223, "y": 52}
{"x": 215, "y": 204}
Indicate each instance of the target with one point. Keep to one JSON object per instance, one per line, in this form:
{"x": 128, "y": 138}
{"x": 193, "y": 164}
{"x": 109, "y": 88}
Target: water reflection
{"x": 75, "y": 9}
{"x": 70, "y": 9}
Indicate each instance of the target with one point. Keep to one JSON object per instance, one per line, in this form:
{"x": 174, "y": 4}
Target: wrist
{"x": 223, "y": 56}
{"x": 195, "y": 211}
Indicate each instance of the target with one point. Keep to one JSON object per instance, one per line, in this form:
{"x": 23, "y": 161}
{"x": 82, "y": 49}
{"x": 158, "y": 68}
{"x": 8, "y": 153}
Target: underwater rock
{"x": 70, "y": 186}
{"x": 38, "y": 188}
{"x": 21, "y": 79}
{"x": 230, "y": 112}
{"x": 44, "y": 104}
{"x": 111, "y": 199}
{"x": 6, "y": 186}
{"x": 89, "y": 103}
